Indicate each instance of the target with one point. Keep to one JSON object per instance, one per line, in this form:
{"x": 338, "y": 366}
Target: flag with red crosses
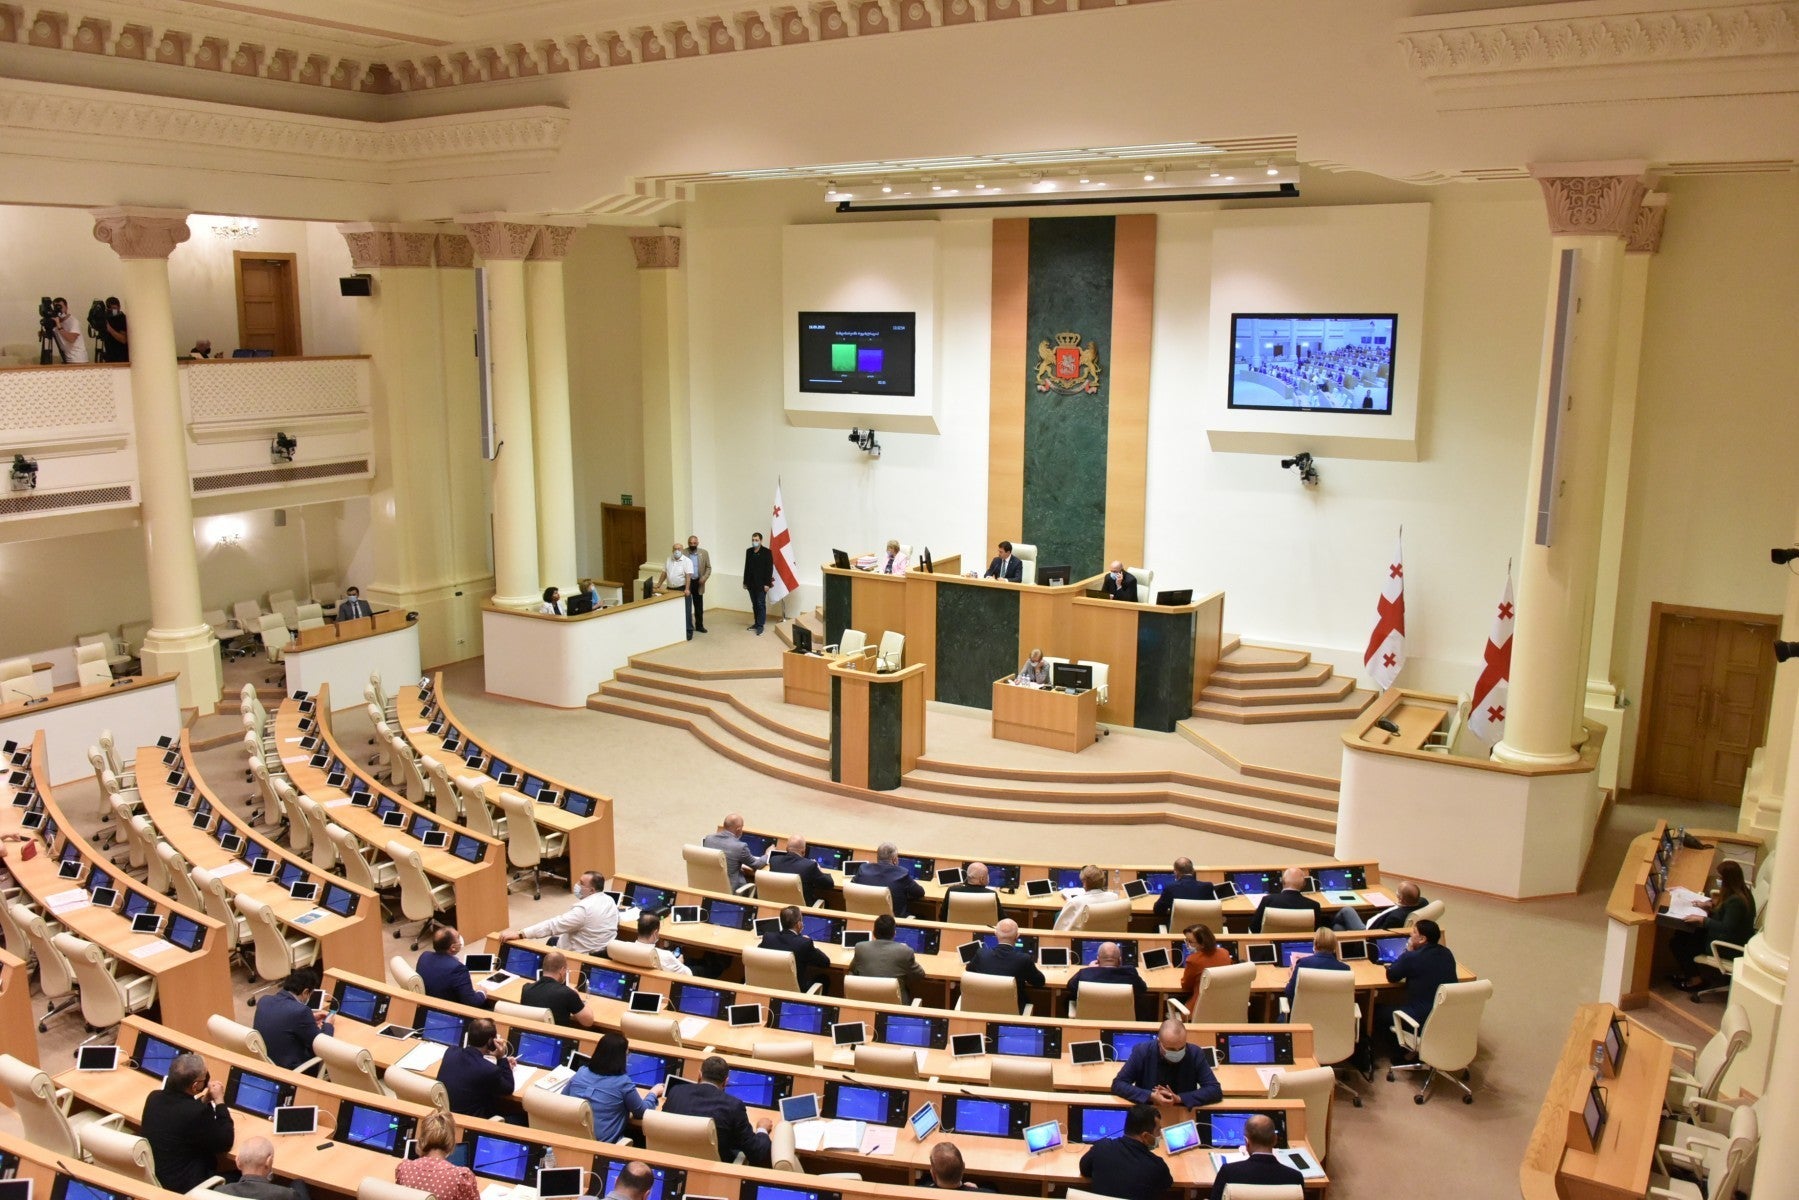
{"x": 1486, "y": 712}
{"x": 780, "y": 541}
{"x": 1386, "y": 645}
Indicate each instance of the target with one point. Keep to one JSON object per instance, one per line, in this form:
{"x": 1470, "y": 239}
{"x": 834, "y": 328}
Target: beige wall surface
{"x": 1712, "y": 482}
{"x": 605, "y": 382}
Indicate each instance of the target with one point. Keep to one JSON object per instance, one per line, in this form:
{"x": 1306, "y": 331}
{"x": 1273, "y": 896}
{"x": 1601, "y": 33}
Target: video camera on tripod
{"x": 47, "y": 317}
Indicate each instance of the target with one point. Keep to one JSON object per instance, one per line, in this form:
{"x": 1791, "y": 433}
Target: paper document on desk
{"x": 230, "y": 868}
{"x": 1220, "y": 1157}
{"x": 555, "y": 1080}
{"x": 522, "y": 1076}
{"x": 65, "y": 898}
{"x": 337, "y": 803}
{"x": 422, "y": 1057}
{"x": 1378, "y": 899}
{"x": 1302, "y": 1162}
{"x": 691, "y": 1027}
{"x": 880, "y": 1139}
{"x": 151, "y": 949}
{"x": 1684, "y": 903}
{"x": 843, "y": 1135}
{"x": 808, "y": 1134}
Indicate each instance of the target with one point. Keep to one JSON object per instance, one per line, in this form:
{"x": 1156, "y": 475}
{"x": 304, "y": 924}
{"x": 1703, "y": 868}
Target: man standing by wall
{"x": 758, "y": 577}
{"x": 114, "y": 335}
{"x": 699, "y": 565}
{"x": 677, "y": 577}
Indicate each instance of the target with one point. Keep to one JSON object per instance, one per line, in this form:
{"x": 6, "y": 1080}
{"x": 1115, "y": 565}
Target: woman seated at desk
{"x": 1732, "y": 920}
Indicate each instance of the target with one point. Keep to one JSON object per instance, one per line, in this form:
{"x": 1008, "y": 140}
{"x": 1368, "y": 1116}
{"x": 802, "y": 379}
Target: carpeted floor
{"x": 669, "y": 788}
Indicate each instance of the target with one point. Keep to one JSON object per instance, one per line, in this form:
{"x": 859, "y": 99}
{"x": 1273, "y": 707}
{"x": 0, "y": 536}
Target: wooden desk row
{"x": 427, "y": 722}
{"x": 1004, "y": 873}
{"x": 56, "y": 1175}
{"x": 192, "y": 980}
{"x": 479, "y": 881}
{"x": 790, "y": 1016}
{"x": 198, "y": 824}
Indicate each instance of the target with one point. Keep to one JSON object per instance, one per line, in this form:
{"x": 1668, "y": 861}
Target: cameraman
{"x": 115, "y": 341}
{"x": 68, "y": 333}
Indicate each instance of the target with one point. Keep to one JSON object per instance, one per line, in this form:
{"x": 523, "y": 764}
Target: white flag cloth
{"x": 1486, "y": 712}
{"x": 787, "y": 573}
{"x": 1385, "y": 655}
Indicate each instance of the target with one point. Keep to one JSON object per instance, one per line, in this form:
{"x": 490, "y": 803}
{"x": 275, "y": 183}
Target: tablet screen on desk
{"x": 850, "y": 1033}
{"x": 1136, "y": 887}
{"x": 1053, "y": 956}
{"x": 1044, "y": 1137}
{"x": 1352, "y": 950}
{"x": 561, "y": 1183}
{"x": 304, "y": 890}
{"x": 1263, "y": 953}
{"x": 105, "y": 897}
{"x": 71, "y": 868}
{"x": 968, "y": 1045}
{"x": 97, "y": 1058}
{"x": 1086, "y": 1054}
{"x": 340, "y": 900}
{"x": 924, "y": 1121}
{"x": 1180, "y": 1138}
{"x": 265, "y": 866}
{"x": 478, "y": 964}
{"x": 1038, "y": 887}
{"x": 297, "y": 1118}
{"x": 744, "y": 1014}
{"x": 147, "y": 923}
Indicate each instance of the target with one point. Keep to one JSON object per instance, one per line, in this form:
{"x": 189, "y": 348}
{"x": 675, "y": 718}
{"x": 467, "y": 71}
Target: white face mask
{"x": 580, "y": 892}
{"x": 1175, "y": 1056}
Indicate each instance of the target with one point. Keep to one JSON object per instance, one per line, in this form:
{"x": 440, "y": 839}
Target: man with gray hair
{"x": 886, "y": 871}
{"x": 187, "y": 1124}
{"x": 634, "y": 1182}
{"x": 740, "y": 864}
{"x": 974, "y": 882}
{"x": 256, "y": 1162}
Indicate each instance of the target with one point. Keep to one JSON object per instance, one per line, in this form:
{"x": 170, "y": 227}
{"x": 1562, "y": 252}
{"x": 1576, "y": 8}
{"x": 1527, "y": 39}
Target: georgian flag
{"x": 787, "y": 571}
{"x": 1386, "y": 645}
{"x": 1486, "y": 713}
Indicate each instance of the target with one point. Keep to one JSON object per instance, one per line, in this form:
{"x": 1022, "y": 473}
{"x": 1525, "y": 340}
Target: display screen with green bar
{"x": 843, "y": 356}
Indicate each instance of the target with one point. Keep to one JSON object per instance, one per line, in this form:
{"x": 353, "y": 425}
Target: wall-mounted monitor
{"x": 858, "y": 353}
{"x": 1313, "y": 362}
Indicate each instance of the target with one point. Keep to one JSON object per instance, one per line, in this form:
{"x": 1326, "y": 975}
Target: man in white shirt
{"x": 585, "y": 927}
{"x": 68, "y": 333}
{"x": 676, "y": 573}
{"x": 649, "y": 933}
{"x": 1093, "y": 890}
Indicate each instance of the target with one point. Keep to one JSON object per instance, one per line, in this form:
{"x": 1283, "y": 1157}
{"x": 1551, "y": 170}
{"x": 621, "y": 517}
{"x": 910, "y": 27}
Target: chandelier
{"x": 235, "y": 229}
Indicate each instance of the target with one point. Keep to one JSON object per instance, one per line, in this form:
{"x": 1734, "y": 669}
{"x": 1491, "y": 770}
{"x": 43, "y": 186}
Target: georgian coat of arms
{"x": 1067, "y": 366}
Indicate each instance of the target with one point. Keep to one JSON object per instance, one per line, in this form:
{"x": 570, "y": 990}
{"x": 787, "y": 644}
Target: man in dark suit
{"x": 1007, "y": 957}
{"x": 1119, "y": 583}
{"x": 1108, "y": 967}
{"x": 444, "y": 975}
{"x": 758, "y": 578}
{"x": 708, "y": 1099}
{"x": 1410, "y": 901}
{"x": 1128, "y": 1166}
{"x": 880, "y": 957}
{"x": 1005, "y": 567}
{"x": 353, "y": 606}
{"x": 1167, "y": 1071}
{"x": 1323, "y": 958}
{"x": 1291, "y": 895}
{"x": 285, "y": 1021}
{"x": 1184, "y": 886}
{"x": 809, "y": 962}
{"x": 974, "y": 883}
{"x": 793, "y": 861}
{"x": 886, "y": 871}
{"x": 187, "y": 1124}
{"x": 947, "y": 1170}
{"x": 1425, "y": 966}
{"x": 1261, "y": 1167}
{"x": 701, "y": 568}
{"x": 477, "y": 1074}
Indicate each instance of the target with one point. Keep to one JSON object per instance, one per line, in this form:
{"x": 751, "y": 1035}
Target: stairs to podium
{"x": 1256, "y": 685}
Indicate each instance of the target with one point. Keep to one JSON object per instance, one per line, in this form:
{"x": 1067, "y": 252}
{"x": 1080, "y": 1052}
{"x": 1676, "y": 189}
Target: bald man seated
{"x": 974, "y": 882}
{"x": 1260, "y": 1168}
{"x": 1119, "y": 583}
{"x": 793, "y": 861}
{"x": 1168, "y": 1071}
{"x": 1108, "y": 967}
{"x": 740, "y": 864}
{"x": 1007, "y": 957}
{"x": 1410, "y": 901}
{"x": 947, "y": 1169}
{"x": 256, "y": 1167}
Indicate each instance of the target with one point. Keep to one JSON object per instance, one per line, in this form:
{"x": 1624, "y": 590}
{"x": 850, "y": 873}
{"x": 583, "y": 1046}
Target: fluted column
{"x": 502, "y": 246}
{"x": 1591, "y": 208}
{"x": 667, "y": 423}
{"x": 179, "y": 640}
{"x": 1777, "y": 1163}
{"x": 549, "y": 405}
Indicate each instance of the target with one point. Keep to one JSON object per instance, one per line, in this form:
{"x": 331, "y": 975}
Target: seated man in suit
{"x": 1323, "y": 958}
{"x": 793, "y": 861}
{"x": 1119, "y": 583}
{"x": 444, "y": 975}
{"x": 1108, "y": 967}
{"x": 809, "y": 962}
{"x": 551, "y": 990}
{"x": 974, "y": 882}
{"x": 1410, "y": 901}
{"x": 1260, "y": 1167}
{"x": 1129, "y": 1166}
{"x": 709, "y": 1099}
{"x": 1184, "y": 886}
{"x": 1093, "y": 890}
{"x": 187, "y": 1123}
{"x": 740, "y": 864}
{"x": 1291, "y": 895}
{"x": 256, "y": 1175}
{"x": 886, "y": 871}
{"x": 880, "y": 957}
{"x": 353, "y": 606}
{"x": 1007, "y": 957}
{"x": 1005, "y": 566}
{"x": 947, "y": 1169}
{"x": 1168, "y": 1071}
{"x": 478, "y": 1073}
{"x": 287, "y": 1022}
{"x": 1425, "y": 966}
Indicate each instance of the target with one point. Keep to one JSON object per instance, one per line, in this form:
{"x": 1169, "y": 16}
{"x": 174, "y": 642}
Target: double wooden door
{"x": 268, "y": 302}
{"x": 1709, "y": 679}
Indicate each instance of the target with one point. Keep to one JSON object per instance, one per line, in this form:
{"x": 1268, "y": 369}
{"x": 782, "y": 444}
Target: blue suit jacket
{"x": 895, "y": 879}
{"x": 288, "y": 1027}
{"x": 1186, "y": 887}
{"x": 1317, "y": 962}
{"x": 447, "y": 979}
{"x": 476, "y": 1083}
{"x": 1423, "y": 971}
{"x": 1191, "y": 1079}
{"x": 1012, "y": 569}
{"x": 727, "y": 1114}
{"x": 1009, "y": 960}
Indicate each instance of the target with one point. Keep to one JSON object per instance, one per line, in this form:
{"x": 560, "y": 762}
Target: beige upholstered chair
{"x": 854, "y": 642}
{"x": 1325, "y": 1000}
{"x": 478, "y": 792}
{"x": 892, "y": 653}
{"x": 1710, "y": 1063}
{"x": 318, "y": 829}
{"x": 773, "y": 970}
{"x": 869, "y": 901}
{"x": 278, "y": 952}
{"x": 1314, "y": 1088}
{"x": 217, "y": 903}
{"x": 1717, "y": 1160}
{"x": 1183, "y": 913}
{"x": 126, "y": 1154}
{"x": 1102, "y": 679}
{"x": 242, "y": 1039}
{"x": 693, "y": 1137}
{"x": 798, "y": 1053}
{"x": 42, "y": 1111}
{"x": 90, "y": 666}
{"x": 1449, "y": 1038}
{"x": 1223, "y": 996}
{"x": 1022, "y": 1074}
{"x": 406, "y": 976}
{"x": 875, "y": 990}
{"x": 1146, "y": 579}
{"x": 349, "y": 1065}
{"x": 106, "y": 998}
{"x": 1265, "y": 1191}
{"x": 55, "y": 977}
{"x": 528, "y": 846}
{"x": 1107, "y": 916}
{"x": 991, "y": 994}
{"x": 361, "y": 865}
{"x": 1430, "y": 912}
{"x": 421, "y": 898}
{"x": 1288, "y": 920}
{"x": 899, "y": 1062}
{"x": 522, "y": 1012}
{"x": 634, "y": 954}
{"x": 973, "y": 908}
{"x": 286, "y": 607}
{"x": 1026, "y": 554}
{"x": 642, "y": 1027}
{"x": 707, "y": 870}
{"x": 422, "y": 1089}
{"x": 780, "y": 887}
{"x": 1104, "y": 1002}
{"x": 552, "y": 1112}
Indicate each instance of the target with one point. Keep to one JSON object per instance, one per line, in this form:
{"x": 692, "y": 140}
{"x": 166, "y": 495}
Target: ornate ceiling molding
{"x": 656, "y": 249}
{"x": 1603, "y": 50}
{"x": 141, "y": 232}
{"x": 554, "y": 240}
{"x": 1592, "y": 199}
{"x": 1645, "y": 236}
{"x": 388, "y": 245}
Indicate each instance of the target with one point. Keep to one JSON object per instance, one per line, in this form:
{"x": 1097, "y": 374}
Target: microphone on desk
{"x": 1383, "y": 723}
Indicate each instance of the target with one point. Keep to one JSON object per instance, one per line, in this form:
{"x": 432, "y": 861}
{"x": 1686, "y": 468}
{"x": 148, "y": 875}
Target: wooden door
{"x": 268, "y": 302}
{"x": 624, "y": 542}
{"x": 1708, "y": 682}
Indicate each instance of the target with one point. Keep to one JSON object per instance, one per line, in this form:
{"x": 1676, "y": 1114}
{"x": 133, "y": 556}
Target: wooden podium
{"x": 877, "y": 723}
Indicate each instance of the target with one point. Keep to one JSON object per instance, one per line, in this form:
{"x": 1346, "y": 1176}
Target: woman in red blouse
{"x": 1203, "y": 951}
{"x": 432, "y": 1171}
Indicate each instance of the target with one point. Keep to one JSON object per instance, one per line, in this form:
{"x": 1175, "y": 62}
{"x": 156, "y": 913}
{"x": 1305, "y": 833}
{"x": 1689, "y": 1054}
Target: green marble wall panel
{"x": 837, "y": 608}
{"x": 884, "y": 737}
{"x": 1065, "y": 436}
{"x": 1164, "y": 669}
{"x": 836, "y": 729}
{"x": 977, "y": 642}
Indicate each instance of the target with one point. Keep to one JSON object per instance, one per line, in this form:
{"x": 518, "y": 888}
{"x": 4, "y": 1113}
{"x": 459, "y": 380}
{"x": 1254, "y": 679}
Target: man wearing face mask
{"x": 758, "y": 578}
{"x": 1168, "y": 1071}
{"x": 699, "y": 566}
{"x": 114, "y": 336}
{"x": 585, "y": 927}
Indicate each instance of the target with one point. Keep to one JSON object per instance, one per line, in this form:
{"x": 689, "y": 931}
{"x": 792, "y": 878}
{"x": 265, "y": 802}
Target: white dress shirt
{"x": 677, "y": 569}
{"x": 586, "y": 927}
{"x": 1074, "y": 913}
{"x": 671, "y": 963}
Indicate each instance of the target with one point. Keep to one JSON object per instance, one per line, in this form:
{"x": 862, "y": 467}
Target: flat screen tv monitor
{"x": 1175, "y": 598}
{"x": 802, "y": 639}
{"x": 857, "y": 353}
{"x": 1313, "y": 362}
{"x": 1056, "y": 576}
{"x": 1078, "y": 676}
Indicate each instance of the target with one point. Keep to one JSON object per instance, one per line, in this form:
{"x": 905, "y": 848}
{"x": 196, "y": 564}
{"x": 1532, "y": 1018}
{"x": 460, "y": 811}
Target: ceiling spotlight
{"x": 831, "y": 188}
{"x": 1230, "y": 179}
{"x": 886, "y": 188}
{"x": 1084, "y": 179}
{"x": 1150, "y": 177}
{"x": 1274, "y": 170}
{"x": 1215, "y": 174}
{"x": 936, "y": 187}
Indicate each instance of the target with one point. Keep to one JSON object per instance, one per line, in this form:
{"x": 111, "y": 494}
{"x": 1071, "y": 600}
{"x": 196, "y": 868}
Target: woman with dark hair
{"x": 1732, "y": 920}
{"x": 603, "y": 1083}
{"x": 1203, "y": 951}
{"x": 552, "y": 602}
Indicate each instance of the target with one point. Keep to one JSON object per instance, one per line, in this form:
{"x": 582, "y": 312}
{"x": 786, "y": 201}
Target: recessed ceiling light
{"x": 886, "y": 188}
{"x": 1230, "y": 179}
{"x": 1083, "y": 179}
{"x": 936, "y": 187}
{"x": 1215, "y": 175}
{"x": 1274, "y": 170}
{"x": 1149, "y": 178}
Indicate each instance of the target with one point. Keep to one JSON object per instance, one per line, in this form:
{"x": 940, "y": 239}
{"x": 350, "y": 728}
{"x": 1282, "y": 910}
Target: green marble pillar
{"x": 977, "y": 641}
{"x": 1164, "y": 669}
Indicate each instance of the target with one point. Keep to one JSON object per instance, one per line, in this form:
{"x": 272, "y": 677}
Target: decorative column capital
{"x": 1645, "y": 236}
{"x": 553, "y": 241}
{"x": 455, "y": 251}
{"x": 497, "y": 239}
{"x": 387, "y": 245}
{"x": 656, "y": 249}
{"x": 1593, "y": 199}
{"x": 141, "y": 232}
